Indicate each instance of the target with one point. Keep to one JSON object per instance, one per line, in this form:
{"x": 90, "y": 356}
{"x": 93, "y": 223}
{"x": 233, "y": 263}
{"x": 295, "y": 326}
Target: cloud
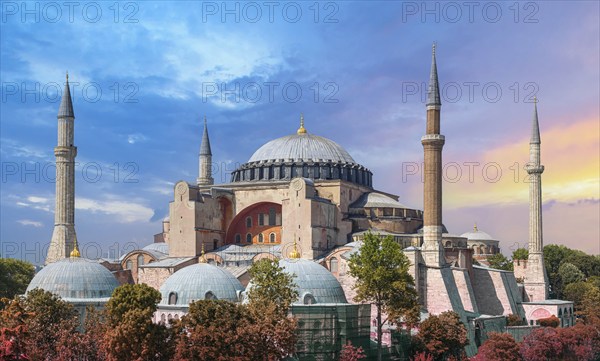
{"x": 28, "y": 222}
{"x": 34, "y": 199}
{"x": 16, "y": 149}
{"x": 136, "y": 138}
{"x": 124, "y": 212}
{"x": 35, "y": 202}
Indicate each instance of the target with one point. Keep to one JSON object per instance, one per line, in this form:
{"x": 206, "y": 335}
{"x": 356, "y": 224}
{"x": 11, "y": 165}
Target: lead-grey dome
{"x": 75, "y": 279}
{"x": 302, "y": 155}
{"x": 198, "y": 282}
{"x": 302, "y": 147}
{"x": 315, "y": 284}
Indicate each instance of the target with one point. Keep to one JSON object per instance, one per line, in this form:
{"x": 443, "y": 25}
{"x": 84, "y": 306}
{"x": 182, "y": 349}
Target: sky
{"x": 144, "y": 75}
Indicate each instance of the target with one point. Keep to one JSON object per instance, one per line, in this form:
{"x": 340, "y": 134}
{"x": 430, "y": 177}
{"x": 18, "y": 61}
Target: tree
{"x": 130, "y": 332}
{"x": 35, "y": 326}
{"x": 271, "y": 285}
{"x": 577, "y": 343}
{"x": 351, "y": 353}
{"x": 498, "y": 347}
{"x": 576, "y": 291}
{"x": 520, "y": 254}
{"x": 551, "y": 321}
{"x": 382, "y": 278}
{"x": 15, "y": 276}
{"x": 514, "y": 320}
{"x": 215, "y": 330}
{"x": 443, "y": 336}
{"x": 499, "y": 261}
{"x": 569, "y": 273}
{"x": 590, "y": 308}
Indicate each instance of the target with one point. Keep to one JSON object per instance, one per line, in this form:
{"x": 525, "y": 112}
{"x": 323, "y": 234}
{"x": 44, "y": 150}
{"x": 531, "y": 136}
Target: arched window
{"x": 309, "y": 299}
{"x": 163, "y": 318}
{"x": 209, "y": 296}
{"x": 128, "y": 264}
{"x": 333, "y": 264}
{"x": 448, "y": 244}
{"x": 172, "y": 298}
{"x": 260, "y": 238}
{"x": 261, "y": 219}
{"x": 238, "y": 238}
{"x": 248, "y": 222}
{"x": 248, "y": 238}
{"x": 140, "y": 260}
{"x": 272, "y": 238}
{"x": 482, "y": 249}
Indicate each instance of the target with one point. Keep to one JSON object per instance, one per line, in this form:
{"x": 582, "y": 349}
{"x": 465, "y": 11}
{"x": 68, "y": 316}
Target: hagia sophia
{"x": 302, "y": 199}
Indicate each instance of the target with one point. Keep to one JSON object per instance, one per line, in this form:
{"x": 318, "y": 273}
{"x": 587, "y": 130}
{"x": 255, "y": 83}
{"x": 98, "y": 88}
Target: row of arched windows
{"x": 260, "y": 238}
{"x": 269, "y": 218}
{"x": 129, "y": 263}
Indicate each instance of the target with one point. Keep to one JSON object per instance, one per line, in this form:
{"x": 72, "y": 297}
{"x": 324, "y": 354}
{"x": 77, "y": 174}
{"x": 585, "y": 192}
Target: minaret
{"x": 433, "y": 142}
{"x": 205, "y": 160}
{"x": 63, "y": 236}
{"x": 536, "y": 279}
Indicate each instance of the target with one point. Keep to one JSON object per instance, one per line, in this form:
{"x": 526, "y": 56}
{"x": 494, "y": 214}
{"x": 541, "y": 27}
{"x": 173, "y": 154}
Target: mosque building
{"x": 304, "y": 200}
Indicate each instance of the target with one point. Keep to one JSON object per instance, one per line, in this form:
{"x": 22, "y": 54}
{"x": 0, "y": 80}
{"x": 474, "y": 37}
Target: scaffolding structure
{"x": 324, "y": 329}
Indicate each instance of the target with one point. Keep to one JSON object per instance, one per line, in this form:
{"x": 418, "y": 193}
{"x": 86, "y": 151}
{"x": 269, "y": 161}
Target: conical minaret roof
{"x": 66, "y": 104}
{"x": 433, "y": 91}
{"x": 205, "y": 145}
{"x": 535, "y": 127}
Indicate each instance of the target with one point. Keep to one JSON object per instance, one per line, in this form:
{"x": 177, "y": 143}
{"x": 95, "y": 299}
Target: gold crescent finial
{"x": 75, "y": 252}
{"x": 294, "y": 253}
{"x": 202, "y": 258}
{"x": 301, "y": 130}
{"x": 475, "y": 227}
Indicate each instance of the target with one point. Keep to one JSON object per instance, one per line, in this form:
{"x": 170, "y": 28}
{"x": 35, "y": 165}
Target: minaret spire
{"x": 433, "y": 142}
{"x": 205, "y": 160}
{"x": 536, "y": 279}
{"x": 64, "y": 237}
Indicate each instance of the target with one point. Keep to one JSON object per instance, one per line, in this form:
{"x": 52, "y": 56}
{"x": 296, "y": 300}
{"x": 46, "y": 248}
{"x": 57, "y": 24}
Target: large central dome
{"x": 302, "y": 155}
{"x": 302, "y": 147}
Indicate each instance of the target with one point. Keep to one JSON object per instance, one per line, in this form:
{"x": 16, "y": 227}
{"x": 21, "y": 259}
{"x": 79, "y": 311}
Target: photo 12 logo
{"x": 269, "y": 11}
{"x": 52, "y": 92}
{"x": 69, "y": 11}
{"x": 268, "y": 92}
{"x": 90, "y": 172}
{"x": 469, "y": 11}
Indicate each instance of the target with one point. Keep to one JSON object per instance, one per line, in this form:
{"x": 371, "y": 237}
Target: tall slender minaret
{"x": 205, "y": 160}
{"x": 433, "y": 142}
{"x": 536, "y": 279}
{"x": 63, "y": 236}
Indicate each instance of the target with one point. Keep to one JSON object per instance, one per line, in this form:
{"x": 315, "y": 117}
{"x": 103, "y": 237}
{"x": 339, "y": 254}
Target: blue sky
{"x": 148, "y": 72}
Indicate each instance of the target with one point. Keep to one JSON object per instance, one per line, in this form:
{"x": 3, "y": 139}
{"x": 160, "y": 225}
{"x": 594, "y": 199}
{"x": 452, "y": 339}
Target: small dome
{"x": 198, "y": 282}
{"x": 477, "y": 235}
{"x": 75, "y": 278}
{"x": 315, "y": 284}
{"x": 161, "y": 247}
{"x": 302, "y": 147}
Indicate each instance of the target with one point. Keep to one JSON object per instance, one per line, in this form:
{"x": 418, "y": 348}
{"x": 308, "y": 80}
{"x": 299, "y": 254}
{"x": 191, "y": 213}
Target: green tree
{"x": 271, "y": 285}
{"x": 443, "y": 336}
{"x": 520, "y": 253}
{"x": 569, "y": 273}
{"x": 130, "y": 332}
{"x": 15, "y": 275}
{"x": 382, "y": 278}
{"x": 499, "y": 261}
{"x": 576, "y": 291}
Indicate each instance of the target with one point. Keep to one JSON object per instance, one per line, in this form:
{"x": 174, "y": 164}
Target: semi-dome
{"x": 198, "y": 282}
{"x": 315, "y": 284}
{"x": 75, "y": 279}
{"x": 302, "y": 155}
{"x": 161, "y": 247}
{"x": 477, "y": 235}
{"x": 302, "y": 147}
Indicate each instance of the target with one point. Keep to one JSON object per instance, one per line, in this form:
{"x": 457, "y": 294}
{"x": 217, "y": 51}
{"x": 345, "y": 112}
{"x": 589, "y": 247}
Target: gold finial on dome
{"x": 202, "y": 257}
{"x": 294, "y": 253}
{"x": 75, "y": 252}
{"x": 475, "y": 228}
{"x": 301, "y": 130}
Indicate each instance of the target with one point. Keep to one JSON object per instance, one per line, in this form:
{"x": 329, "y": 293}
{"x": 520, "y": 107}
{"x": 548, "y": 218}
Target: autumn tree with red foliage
{"x": 443, "y": 336}
{"x": 578, "y": 343}
{"x": 551, "y": 321}
{"x": 351, "y": 353}
{"x": 498, "y": 347}
{"x": 215, "y": 330}
{"x": 422, "y": 356}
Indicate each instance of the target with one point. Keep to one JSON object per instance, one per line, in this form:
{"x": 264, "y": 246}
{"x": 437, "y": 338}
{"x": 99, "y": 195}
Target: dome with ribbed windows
{"x": 76, "y": 279}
